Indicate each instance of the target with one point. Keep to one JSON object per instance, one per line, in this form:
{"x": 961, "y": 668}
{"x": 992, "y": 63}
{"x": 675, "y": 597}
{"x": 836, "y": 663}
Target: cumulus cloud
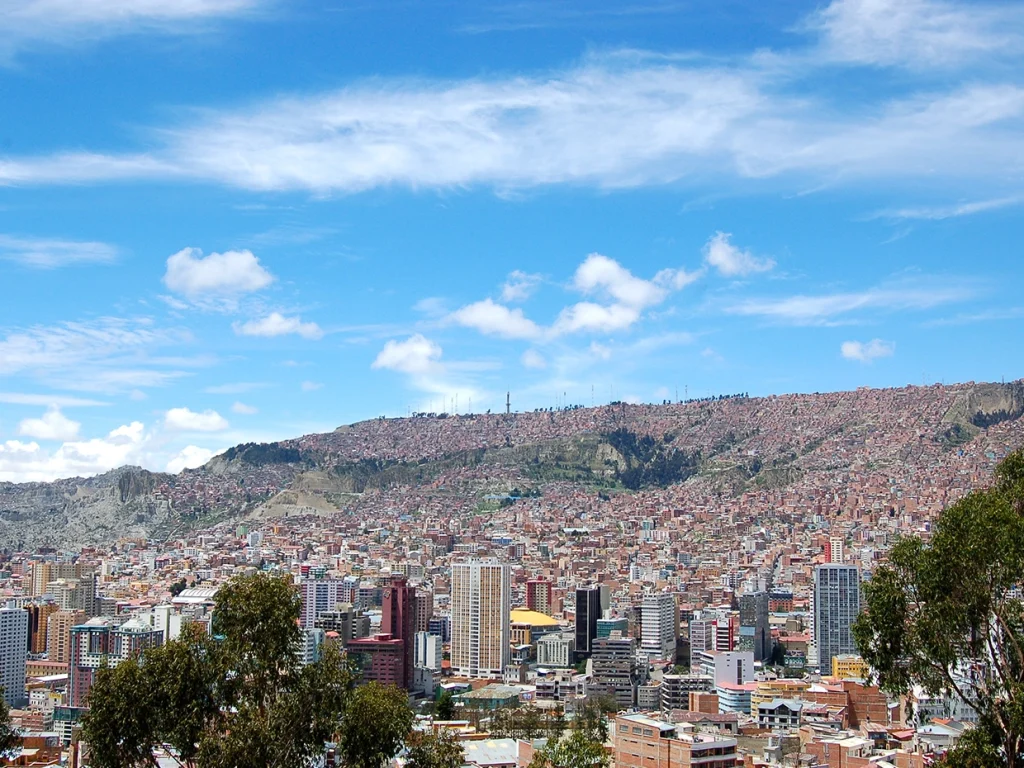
{"x": 519, "y": 286}
{"x": 731, "y": 261}
{"x": 29, "y": 462}
{"x": 867, "y": 351}
{"x": 415, "y": 355}
{"x": 276, "y": 324}
{"x": 243, "y": 409}
{"x": 494, "y": 319}
{"x": 590, "y": 317}
{"x": 185, "y": 420}
{"x": 52, "y": 425}
{"x": 189, "y": 457}
{"x": 42, "y": 253}
{"x": 228, "y": 274}
{"x": 600, "y": 273}
{"x": 533, "y": 359}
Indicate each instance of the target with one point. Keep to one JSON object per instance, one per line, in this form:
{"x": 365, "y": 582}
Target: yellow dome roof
{"x": 533, "y": 618}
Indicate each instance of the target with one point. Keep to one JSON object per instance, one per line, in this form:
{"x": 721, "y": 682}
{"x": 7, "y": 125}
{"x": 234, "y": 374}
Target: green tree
{"x": 121, "y": 724}
{"x": 376, "y": 723}
{"x": 576, "y": 750}
{"x": 591, "y": 717}
{"x": 10, "y": 738}
{"x": 445, "y": 706}
{"x": 947, "y": 615}
{"x": 241, "y": 699}
{"x": 440, "y": 749}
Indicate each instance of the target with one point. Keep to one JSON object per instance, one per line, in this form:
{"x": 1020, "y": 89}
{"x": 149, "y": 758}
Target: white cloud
{"x": 533, "y": 359}
{"x": 227, "y": 274}
{"x": 56, "y": 401}
{"x": 614, "y": 121}
{"x": 590, "y": 317}
{"x": 415, "y": 355}
{"x": 65, "y": 22}
{"x": 28, "y": 462}
{"x": 276, "y": 324}
{"x": 938, "y": 213}
{"x": 731, "y": 261}
{"x": 600, "y": 273}
{"x": 801, "y": 309}
{"x": 916, "y": 33}
{"x": 243, "y": 409}
{"x": 107, "y": 355}
{"x": 494, "y": 319}
{"x": 432, "y": 306}
{"x": 235, "y": 388}
{"x": 311, "y": 386}
{"x": 519, "y": 286}
{"x": 866, "y": 352}
{"x": 189, "y": 457}
{"x": 185, "y": 420}
{"x": 40, "y": 253}
{"x": 53, "y": 425}
{"x": 602, "y": 351}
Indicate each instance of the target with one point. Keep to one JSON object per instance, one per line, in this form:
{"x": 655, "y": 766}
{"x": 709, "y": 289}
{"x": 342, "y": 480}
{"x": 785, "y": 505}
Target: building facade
{"x": 481, "y": 608}
{"x": 836, "y": 606}
{"x": 14, "y": 637}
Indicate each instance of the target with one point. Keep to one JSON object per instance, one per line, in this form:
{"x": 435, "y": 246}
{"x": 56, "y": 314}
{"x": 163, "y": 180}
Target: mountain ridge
{"x": 722, "y": 446}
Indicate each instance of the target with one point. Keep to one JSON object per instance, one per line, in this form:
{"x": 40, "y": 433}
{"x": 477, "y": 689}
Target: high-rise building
{"x": 38, "y": 618}
{"x": 588, "y": 611}
{"x": 481, "y": 617}
{"x": 617, "y": 672}
{"x": 319, "y": 595}
{"x": 428, "y": 651}
{"x": 620, "y": 624}
{"x": 835, "y": 550}
{"x": 836, "y": 606}
{"x": 100, "y": 641}
{"x": 399, "y": 620}
{"x": 424, "y": 609}
{"x": 58, "y": 634}
{"x": 659, "y": 624}
{"x": 539, "y": 596}
{"x": 755, "y": 635}
{"x": 13, "y": 653}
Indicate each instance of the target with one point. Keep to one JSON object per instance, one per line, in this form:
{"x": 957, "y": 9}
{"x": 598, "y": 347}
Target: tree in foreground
{"x": 577, "y": 750}
{"x": 376, "y": 723}
{"x": 947, "y": 615}
{"x": 10, "y": 738}
{"x": 429, "y": 749}
{"x": 239, "y": 699}
{"x": 445, "y": 709}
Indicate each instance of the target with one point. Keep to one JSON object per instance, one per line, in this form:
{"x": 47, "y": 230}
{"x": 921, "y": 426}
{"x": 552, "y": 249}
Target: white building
{"x": 312, "y": 642}
{"x": 428, "y": 651}
{"x": 13, "y": 652}
{"x": 658, "y": 626}
{"x": 481, "y": 618}
{"x": 555, "y": 650}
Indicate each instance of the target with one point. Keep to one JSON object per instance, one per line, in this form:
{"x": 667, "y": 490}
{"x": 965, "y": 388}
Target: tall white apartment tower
{"x": 481, "y": 615}
{"x": 836, "y": 606}
{"x": 659, "y": 626}
{"x": 13, "y": 652}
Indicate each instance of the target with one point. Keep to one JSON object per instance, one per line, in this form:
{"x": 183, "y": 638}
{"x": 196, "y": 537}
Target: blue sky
{"x": 234, "y": 220}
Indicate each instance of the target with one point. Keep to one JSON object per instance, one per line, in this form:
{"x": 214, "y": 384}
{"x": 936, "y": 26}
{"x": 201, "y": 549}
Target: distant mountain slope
{"x": 724, "y": 446}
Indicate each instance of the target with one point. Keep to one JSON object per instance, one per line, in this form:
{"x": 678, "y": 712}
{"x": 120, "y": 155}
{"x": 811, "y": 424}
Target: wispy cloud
{"x": 613, "y": 121}
{"x": 940, "y": 212}
{"x": 46, "y": 253}
{"x": 867, "y": 351}
{"x": 24, "y": 23}
{"x": 825, "y": 308}
{"x": 44, "y": 399}
{"x": 106, "y": 355}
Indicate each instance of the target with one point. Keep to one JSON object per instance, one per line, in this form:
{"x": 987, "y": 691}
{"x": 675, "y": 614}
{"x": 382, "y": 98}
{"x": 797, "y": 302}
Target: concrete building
{"x": 100, "y": 641}
{"x": 556, "y": 650}
{"x": 481, "y": 608}
{"x": 539, "y": 596}
{"x": 398, "y": 619}
{"x": 641, "y": 742}
{"x": 617, "y": 671}
{"x": 319, "y": 596}
{"x": 676, "y": 690}
{"x": 659, "y": 626}
{"x": 755, "y": 634}
{"x": 58, "y": 634}
{"x": 779, "y": 714}
{"x": 428, "y": 651}
{"x": 836, "y": 606}
{"x": 14, "y": 637}
{"x": 605, "y": 627}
